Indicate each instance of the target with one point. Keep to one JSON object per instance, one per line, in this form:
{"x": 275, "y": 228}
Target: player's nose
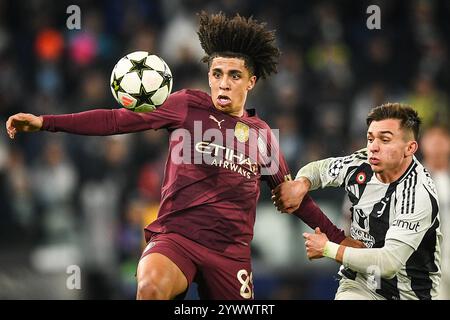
{"x": 374, "y": 146}
{"x": 224, "y": 83}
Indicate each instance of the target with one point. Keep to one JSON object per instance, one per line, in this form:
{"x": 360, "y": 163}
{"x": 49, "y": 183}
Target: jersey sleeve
{"x": 277, "y": 171}
{"x": 416, "y": 212}
{"x": 170, "y": 115}
{"x": 274, "y": 168}
{"x": 331, "y": 172}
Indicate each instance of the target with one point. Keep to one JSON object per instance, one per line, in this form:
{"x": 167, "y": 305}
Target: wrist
{"x": 304, "y": 182}
{"x": 330, "y": 250}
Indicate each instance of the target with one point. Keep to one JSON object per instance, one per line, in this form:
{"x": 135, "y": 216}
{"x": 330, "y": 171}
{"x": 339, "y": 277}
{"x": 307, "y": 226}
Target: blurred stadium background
{"x": 73, "y": 200}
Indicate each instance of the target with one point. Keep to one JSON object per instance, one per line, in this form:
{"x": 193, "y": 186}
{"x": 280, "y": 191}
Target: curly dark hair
{"x": 239, "y": 37}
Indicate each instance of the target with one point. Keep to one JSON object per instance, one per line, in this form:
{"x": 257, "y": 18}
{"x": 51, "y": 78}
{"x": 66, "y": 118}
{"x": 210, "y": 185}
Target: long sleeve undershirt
{"x": 388, "y": 260}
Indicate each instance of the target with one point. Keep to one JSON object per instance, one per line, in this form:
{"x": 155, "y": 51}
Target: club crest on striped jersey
{"x": 361, "y": 177}
{"x": 241, "y": 132}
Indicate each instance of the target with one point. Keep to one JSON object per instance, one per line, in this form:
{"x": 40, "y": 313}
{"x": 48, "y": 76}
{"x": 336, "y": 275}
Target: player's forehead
{"x": 226, "y": 64}
{"x": 386, "y": 126}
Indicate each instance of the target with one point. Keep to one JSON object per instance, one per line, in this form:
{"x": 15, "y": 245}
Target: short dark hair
{"x": 409, "y": 119}
{"x": 239, "y": 37}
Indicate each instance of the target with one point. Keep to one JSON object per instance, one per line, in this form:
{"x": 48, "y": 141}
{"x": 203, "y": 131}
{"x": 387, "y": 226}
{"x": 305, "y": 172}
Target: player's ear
{"x": 411, "y": 148}
{"x": 251, "y": 83}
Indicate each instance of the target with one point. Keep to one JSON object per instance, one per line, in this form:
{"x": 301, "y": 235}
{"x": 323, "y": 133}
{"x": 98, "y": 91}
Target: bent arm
{"x": 389, "y": 259}
{"x": 316, "y": 172}
{"x": 331, "y": 172}
{"x": 312, "y": 215}
{"x": 312, "y": 171}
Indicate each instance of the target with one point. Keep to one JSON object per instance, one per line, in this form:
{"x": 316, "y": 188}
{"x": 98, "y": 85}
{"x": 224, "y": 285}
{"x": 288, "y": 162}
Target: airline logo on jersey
{"x": 241, "y": 132}
{"x": 223, "y": 148}
{"x": 228, "y": 158}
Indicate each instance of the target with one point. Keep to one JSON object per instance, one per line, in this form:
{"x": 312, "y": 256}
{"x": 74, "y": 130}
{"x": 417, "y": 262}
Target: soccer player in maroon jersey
{"x": 218, "y": 154}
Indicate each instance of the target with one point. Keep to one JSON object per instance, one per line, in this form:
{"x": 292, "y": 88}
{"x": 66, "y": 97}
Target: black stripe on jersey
{"x": 414, "y": 193}
{"x": 422, "y": 261}
{"x": 403, "y": 211}
{"x": 352, "y": 181}
{"x": 408, "y": 171}
{"x": 408, "y": 198}
{"x": 408, "y": 178}
{"x": 388, "y": 289}
{"x": 412, "y": 180}
{"x": 379, "y": 225}
{"x": 379, "y": 217}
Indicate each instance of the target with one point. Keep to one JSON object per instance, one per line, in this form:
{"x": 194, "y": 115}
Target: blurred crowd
{"x": 77, "y": 200}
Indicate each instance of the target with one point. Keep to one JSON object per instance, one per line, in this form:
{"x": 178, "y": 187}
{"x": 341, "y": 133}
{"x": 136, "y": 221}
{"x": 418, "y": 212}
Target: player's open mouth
{"x": 223, "y": 100}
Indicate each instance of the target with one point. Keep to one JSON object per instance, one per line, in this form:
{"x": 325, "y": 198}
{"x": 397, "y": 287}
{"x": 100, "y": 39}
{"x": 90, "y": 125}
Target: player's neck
{"x": 389, "y": 176}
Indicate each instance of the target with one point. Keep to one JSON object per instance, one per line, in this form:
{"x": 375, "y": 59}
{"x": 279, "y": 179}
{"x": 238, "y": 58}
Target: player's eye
{"x": 216, "y": 75}
{"x": 370, "y": 140}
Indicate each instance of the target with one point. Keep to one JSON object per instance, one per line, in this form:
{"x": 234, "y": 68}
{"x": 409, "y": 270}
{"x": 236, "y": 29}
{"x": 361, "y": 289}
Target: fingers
{"x": 317, "y": 230}
{"x": 276, "y": 190}
{"x": 278, "y": 203}
{"x": 283, "y": 205}
{"x": 10, "y": 129}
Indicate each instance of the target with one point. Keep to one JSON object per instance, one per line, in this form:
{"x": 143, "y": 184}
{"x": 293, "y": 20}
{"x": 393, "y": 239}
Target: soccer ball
{"x": 141, "y": 81}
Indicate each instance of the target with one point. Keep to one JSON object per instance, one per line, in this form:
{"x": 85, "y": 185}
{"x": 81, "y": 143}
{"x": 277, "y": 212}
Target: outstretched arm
{"x": 97, "y": 122}
{"x": 101, "y": 122}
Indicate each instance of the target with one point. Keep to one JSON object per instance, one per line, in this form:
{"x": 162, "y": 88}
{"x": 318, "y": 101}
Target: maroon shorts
{"x": 218, "y": 275}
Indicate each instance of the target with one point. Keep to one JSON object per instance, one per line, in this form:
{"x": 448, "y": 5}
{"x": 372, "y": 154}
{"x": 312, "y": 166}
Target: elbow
{"x": 390, "y": 271}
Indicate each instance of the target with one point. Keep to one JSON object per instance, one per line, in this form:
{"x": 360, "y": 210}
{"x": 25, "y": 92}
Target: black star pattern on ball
{"x": 143, "y": 96}
{"x": 116, "y": 84}
{"x": 166, "y": 77}
{"x": 139, "y": 66}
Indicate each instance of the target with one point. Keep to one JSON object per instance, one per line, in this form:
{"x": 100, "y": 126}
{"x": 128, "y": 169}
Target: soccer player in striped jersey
{"x": 395, "y": 211}
{"x": 219, "y": 152}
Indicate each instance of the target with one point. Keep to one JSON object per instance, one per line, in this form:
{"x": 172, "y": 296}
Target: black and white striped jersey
{"x": 406, "y": 210}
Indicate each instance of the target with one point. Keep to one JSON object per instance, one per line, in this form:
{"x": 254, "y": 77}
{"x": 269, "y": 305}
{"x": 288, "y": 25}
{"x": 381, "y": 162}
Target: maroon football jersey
{"x": 213, "y": 169}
